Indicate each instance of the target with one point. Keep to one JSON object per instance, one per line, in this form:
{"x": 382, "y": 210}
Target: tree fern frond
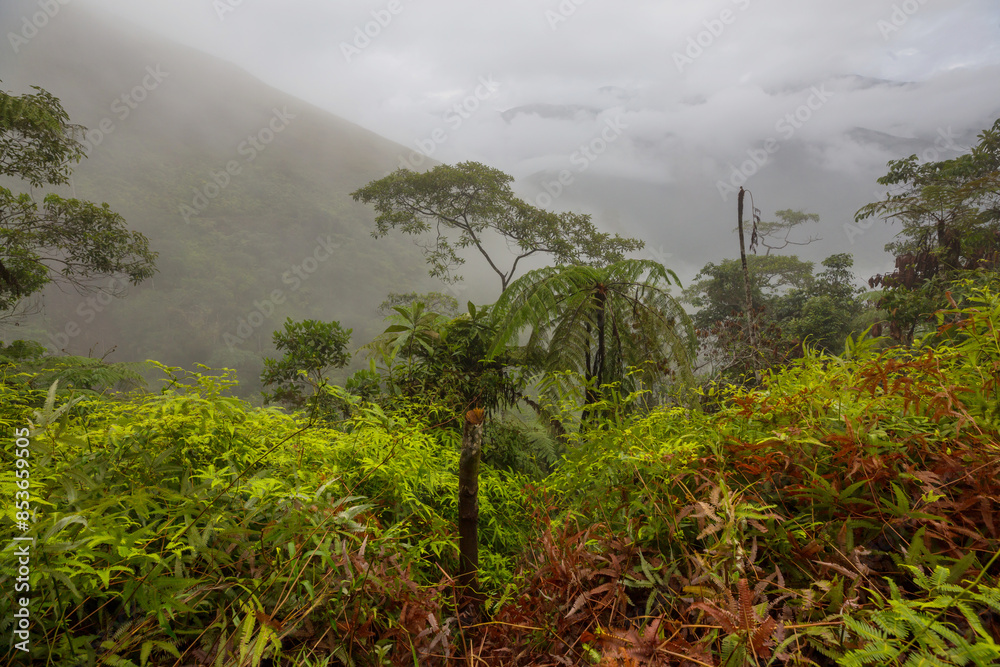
{"x": 600, "y": 321}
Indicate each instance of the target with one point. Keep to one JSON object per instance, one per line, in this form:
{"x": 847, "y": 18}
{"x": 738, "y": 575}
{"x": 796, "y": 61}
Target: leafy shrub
{"x": 187, "y": 524}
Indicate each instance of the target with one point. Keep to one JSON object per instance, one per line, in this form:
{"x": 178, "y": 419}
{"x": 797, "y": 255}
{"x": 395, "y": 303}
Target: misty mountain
{"x": 843, "y": 81}
{"x": 242, "y": 189}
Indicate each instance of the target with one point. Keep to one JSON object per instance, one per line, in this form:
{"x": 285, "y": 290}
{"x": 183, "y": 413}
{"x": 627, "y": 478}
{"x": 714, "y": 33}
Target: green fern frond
{"x": 865, "y": 630}
{"x": 872, "y": 654}
{"x": 912, "y": 629}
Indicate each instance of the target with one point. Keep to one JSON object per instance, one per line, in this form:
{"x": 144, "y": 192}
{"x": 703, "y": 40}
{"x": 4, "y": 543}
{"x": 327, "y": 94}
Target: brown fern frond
{"x": 761, "y": 635}
{"x": 475, "y": 416}
{"x": 747, "y": 618}
{"x": 723, "y": 617}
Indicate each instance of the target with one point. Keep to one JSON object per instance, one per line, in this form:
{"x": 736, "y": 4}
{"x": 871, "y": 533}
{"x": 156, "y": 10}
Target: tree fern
{"x": 598, "y": 321}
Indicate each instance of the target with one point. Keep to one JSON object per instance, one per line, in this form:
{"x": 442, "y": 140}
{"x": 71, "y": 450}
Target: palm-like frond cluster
{"x": 599, "y": 322}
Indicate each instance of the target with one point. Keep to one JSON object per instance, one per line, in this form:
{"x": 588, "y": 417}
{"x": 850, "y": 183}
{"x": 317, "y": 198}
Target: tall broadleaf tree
{"x": 778, "y": 284}
{"x": 470, "y": 205}
{"x": 599, "y": 322}
{"x": 60, "y": 240}
{"x": 950, "y": 217}
{"x": 792, "y": 306}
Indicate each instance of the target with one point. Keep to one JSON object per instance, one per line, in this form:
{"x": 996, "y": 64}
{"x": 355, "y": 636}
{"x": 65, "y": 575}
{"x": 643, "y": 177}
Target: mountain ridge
{"x": 263, "y": 177}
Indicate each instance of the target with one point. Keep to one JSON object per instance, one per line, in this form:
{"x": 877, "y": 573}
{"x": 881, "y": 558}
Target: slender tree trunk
{"x": 468, "y": 512}
{"x": 590, "y": 396}
{"x": 748, "y": 294}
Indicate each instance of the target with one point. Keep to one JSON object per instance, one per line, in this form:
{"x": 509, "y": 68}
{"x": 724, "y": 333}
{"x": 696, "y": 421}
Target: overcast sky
{"x": 431, "y": 54}
{"x": 680, "y": 93}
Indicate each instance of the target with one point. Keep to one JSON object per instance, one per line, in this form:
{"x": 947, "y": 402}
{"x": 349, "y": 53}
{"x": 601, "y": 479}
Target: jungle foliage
{"x": 839, "y": 509}
{"x": 793, "y": 304}
{"x": 950, "y": 217}
{"x": 842, "y": 513}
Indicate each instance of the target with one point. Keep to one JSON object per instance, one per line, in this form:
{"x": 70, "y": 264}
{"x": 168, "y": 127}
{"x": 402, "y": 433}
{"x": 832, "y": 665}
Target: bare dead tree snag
{"x": 751, "y": 329}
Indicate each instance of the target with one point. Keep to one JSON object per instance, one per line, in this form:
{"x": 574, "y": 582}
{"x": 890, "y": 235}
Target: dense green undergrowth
{"x": 846, "y": 512}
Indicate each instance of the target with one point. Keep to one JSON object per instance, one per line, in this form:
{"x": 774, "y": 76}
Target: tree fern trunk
{"x": 597, "y": 373}
{"x": 602, "y": 299}
{"x": 556, "y": 428}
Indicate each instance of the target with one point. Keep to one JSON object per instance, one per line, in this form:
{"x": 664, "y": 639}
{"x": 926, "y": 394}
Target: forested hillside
{"x": 227, "y": 240}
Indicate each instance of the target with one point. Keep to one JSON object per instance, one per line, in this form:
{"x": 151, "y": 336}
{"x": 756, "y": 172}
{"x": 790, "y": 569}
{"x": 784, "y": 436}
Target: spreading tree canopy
{"x": 461, "y": 206}
{"x": 950, "y": 217}
{"x": 444, "y": 358}
{"x": 63, "y": 240}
